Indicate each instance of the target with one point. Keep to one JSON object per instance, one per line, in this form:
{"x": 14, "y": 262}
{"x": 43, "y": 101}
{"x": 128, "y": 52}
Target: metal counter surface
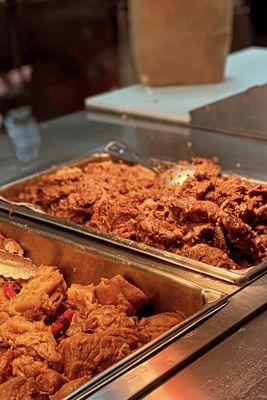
{"x": 236, "y": 369}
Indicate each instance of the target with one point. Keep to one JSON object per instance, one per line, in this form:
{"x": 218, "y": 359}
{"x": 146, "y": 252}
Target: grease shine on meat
{"x": 212, "y": 218}
{"x": 53, "y": 338}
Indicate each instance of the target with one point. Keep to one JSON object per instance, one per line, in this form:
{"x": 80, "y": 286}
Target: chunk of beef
{"x": 81, "y": 298}
{"x": 219, "y": 239}
{"x": 180, "y": 207}
{"x": 86, "y": 354}
{"x": 156, "y": 225}
{"x": 205, "y": 168}
{"x": 39, "y": 344}
{"x": 3, "y": 316}
{"x": 198, "y": 189}
{"x": 156, "y": 325}
{"x": 187, "y": 209}
{"x": 51, "y": 187}
{"x": 262, "y": 242}
{"x": 122, "y": 294}
{"x": 70, "y": 387}
{"x": 209, "y": 255}
{"x": 261, "y": 214}
{"x": 76, "y": 324}
{"x": 157, "y": 233}
{"x": 202, "y": 211}
{"x": 15, "y": 326}
{"x": 48, "y": 380}
{"x": 10, "y": 245}
{"x": 40, "y": 297}
{"x": 112, "y": 212}
{"x": 121, "y": 176}
{"x": 198, "y": 234}
{"x": 3, "y": 298}
{"x": 110, "y": 319}
{"x": 227, "y": 188}
{"x": 239, "y": 234}
{"x": 29, "y": 338}
{"x": 127, "y": 231}
{"x": 20, "y": 389}
{"x": 6, "y": 357}
{"x": 77, "y": 190}
{"x": 258, "y": 190}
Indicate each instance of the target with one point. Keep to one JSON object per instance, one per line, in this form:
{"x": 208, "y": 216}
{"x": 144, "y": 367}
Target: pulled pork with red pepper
{"x": 53, "y": 339}
{"x": 213, "y": 218}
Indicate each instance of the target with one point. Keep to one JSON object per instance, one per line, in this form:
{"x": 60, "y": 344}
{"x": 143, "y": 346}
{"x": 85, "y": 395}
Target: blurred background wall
{"x": 76, "y": 48}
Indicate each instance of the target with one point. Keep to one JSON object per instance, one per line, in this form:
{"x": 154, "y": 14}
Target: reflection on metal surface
{"x": 242, "y": 113}
{"x": 15, "y": 266}
{"x": 235, "y": 369}
{"x": 14, "y": 188}
{"x": 66, "y": 138}
{"x": 121, "y": 151}
{"x": 24, "y": 133}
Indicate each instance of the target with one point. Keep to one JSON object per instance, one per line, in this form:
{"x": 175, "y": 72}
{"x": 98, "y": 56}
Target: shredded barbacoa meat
{"x": 213, "y": 218}
{"x": 53, "y": 339}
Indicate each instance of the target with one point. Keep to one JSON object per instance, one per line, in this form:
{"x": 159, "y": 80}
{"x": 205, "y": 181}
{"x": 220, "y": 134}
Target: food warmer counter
{"x": 217, "y": 307}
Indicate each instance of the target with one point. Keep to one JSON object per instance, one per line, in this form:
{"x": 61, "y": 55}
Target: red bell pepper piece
{"x": 62, "y": 323}
{"x": 9, "y": 290}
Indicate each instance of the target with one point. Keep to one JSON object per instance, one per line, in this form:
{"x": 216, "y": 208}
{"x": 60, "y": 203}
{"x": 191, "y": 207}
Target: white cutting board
{"x": 244, "y": 69}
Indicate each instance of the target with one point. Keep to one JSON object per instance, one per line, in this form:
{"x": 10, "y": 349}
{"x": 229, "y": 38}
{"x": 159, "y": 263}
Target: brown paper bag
{"x": 180, "y": 41}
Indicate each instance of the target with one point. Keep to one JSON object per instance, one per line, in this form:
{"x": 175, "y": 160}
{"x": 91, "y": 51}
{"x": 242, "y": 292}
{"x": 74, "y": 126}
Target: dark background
{"x": 78, "y": 48}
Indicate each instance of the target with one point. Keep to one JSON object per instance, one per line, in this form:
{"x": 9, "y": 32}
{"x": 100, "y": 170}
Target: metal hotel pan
{"x": 87, "y": 264}
{"x": 233, "y": 276}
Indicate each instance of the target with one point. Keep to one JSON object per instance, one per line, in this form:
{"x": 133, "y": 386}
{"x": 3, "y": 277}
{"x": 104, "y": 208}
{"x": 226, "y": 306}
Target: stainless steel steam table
{"x": 226, "y": 356}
